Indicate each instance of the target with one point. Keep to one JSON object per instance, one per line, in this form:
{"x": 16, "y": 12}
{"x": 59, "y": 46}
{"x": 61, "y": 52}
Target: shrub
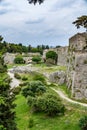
{"x": 2, "y": 127}
{"x": 39, "y": 77}
{"x": 34, "y": 88}
{"x": 19, "y": 60}
{"x": 17, "y": 76}
{"x": 36, "y": 59}
{"x": 24, "y": 78}
{"x": 51, "y": 54}
{"x": 31, "y": 122}
{"x": 3, "y": 67}
{"x": 16, "y": 90}
{"x": 48, "y": 103}
{"x": 83, "y": 123}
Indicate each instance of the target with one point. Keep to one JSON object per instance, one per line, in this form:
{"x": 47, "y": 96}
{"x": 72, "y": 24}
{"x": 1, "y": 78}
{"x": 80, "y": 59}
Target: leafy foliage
{"x": 3, "y": 67}
{"x": 17, "y": 76}
{"x": 51, "y": 54}
{"x": 48, "y": 103}
{"x": 81, "y": 21}
{"x": 36, "y": 59}
{"x": 31, "y": 122}
{"x": 83, "y": 123}
{"x": 19, "y": 60}
{"x": 34, "y": 88}
{"x": 39, "y": 77}
{"x": 7, "y": 114}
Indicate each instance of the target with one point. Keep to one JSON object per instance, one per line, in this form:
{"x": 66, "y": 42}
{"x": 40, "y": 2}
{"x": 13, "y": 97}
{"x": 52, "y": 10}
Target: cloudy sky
{"x": 49, "y": 23}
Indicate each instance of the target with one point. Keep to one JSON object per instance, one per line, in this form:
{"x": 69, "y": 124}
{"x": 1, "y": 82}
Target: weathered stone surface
{"x": 58, "y": 77}
{"x": 62, "y": 53}
{"x": 77, "y": 66}
{"x": 23, "y": 69}
{"x": 9, "y": 58}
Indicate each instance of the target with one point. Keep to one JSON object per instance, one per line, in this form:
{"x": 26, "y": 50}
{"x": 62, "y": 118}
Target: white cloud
{"x": 46, "y": 23}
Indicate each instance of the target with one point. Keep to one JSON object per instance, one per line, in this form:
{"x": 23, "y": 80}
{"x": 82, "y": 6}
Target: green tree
{"x": 7, "y": 114}
{"x": 51, "y": 57}
{"x": 51, "y": 54}
{"x": 81, "y": 21}
{"x": 3, "y": 67}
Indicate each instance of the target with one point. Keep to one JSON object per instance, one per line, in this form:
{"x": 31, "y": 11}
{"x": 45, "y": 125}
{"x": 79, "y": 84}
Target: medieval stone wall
{"x": 77, "y": 66}
{"x": 62, "y": 53}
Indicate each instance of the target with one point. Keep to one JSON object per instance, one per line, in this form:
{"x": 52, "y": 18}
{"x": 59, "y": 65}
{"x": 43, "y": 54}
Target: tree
{"x": 47, "y": 47}
{"x": 35, "y": 1}
{"x": 51, "y": 54}
{"x": 7, "y": 114}
{"x": 81, "y": 21}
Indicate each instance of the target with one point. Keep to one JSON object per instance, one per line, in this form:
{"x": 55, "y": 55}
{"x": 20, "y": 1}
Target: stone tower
{"x": 77, "y": 66}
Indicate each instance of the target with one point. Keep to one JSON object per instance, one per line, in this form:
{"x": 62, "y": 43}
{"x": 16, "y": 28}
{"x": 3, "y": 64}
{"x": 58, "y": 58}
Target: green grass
{"x": 9, "y": 66}
{"x": 22, "y": 113}
{"x": 47, "y": 69}
{"x": 3, "y": 76}
{"x": 42, "y": 122}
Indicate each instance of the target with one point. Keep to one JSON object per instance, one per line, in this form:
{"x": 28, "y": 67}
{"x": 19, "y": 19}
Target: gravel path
{"x": 15, "y": 82}
{"x": 63, "y": 96}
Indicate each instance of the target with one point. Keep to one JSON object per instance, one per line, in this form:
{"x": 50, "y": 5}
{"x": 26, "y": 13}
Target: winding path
{"x": 15, "y": 82}
{"x": 63, "y": 96}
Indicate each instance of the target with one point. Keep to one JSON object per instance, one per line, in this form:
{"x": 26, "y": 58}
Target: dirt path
{"x": 63, "y": 96}
{"x": 15, "y": 82}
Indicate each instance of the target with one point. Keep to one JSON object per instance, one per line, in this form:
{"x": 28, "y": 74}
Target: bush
{"x": 16, "y": 90}
{"x": 24, "y": 78}
{"x": 17, "y": 76}
{"x": 83, "y": 123}
{"x": 48, "y": 103}
{"x": 19, "y": 60}
{"x": 52, "y": 55}
{"x": 34, "y": 88}
{"x": 31, "y": 122}
{"x": 3, "y": 67}
{"x": 36, "y": 59}
{"x": 2, "y": 127}
{"x": 39, "y": 77}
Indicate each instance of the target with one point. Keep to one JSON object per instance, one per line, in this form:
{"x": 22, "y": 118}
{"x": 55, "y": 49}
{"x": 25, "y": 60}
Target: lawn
{"x": 69, "y": 121}
{"x": 42, "y": 122}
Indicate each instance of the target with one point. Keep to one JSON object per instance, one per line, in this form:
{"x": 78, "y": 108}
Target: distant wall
{"x": 9, "y": 57}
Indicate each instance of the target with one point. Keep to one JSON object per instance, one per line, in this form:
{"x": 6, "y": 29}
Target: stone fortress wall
{"x": 74, "y": 57}
{"x": 77, "y": 65}
{"x": 62, "y": 55}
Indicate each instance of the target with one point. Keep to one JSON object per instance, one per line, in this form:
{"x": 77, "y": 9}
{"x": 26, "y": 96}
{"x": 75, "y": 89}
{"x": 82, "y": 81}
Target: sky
{"x": 49, "y": 23}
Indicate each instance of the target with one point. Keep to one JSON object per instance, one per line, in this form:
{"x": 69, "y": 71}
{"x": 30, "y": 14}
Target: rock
{"x": 58, "y": 77}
